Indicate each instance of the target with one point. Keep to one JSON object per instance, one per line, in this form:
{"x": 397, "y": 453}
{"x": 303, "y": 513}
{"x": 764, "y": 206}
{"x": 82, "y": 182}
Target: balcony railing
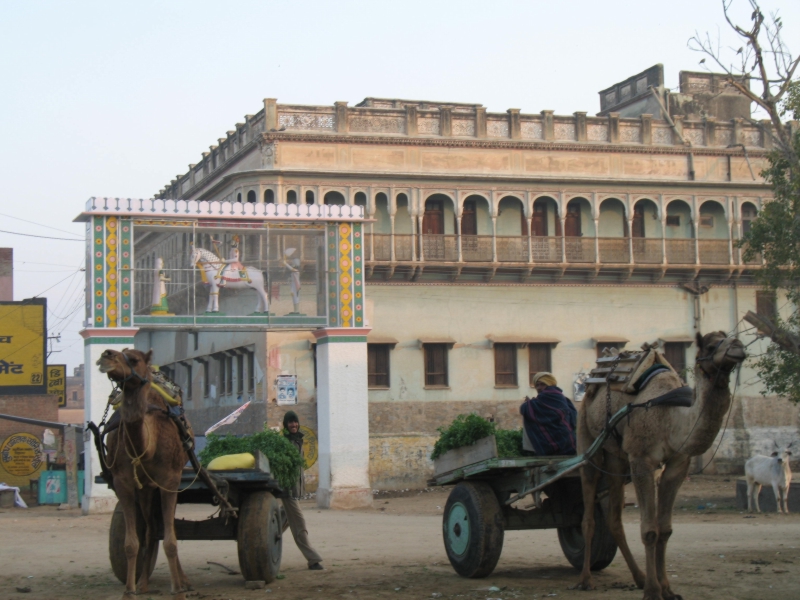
{"x": 553, "y": 249}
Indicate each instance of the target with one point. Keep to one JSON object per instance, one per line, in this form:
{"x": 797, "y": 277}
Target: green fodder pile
{"x": 284, "y": 459}
{"x": 465, "y": 430}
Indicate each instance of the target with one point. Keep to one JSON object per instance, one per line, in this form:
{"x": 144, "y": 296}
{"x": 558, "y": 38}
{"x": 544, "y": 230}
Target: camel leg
{"x": 642, "y": 472}
{"x": 590, "y": 476}
{"x": 616, "y": 501}
{"x": 145, "y": 499}
{"x": 168, "y": 502}
{"x": 128, "y": 502}
{"x": 673, "y": 476}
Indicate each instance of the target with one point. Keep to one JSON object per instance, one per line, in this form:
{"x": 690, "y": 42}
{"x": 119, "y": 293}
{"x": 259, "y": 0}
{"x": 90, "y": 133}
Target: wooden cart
{"x": 258, "y": 528}
{"x": 479, "y": 508}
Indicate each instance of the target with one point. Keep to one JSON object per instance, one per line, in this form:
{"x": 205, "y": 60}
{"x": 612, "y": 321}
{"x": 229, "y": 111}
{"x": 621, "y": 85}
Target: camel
{"x": 145, "y": 456}
{"x": 650, "y": 438}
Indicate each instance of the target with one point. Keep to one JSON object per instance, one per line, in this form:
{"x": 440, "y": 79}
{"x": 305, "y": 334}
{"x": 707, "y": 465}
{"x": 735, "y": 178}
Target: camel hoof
{"x": 585, "y": 586}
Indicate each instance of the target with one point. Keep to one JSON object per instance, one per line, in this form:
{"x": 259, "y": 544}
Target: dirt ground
{"x": 395, "y": 550}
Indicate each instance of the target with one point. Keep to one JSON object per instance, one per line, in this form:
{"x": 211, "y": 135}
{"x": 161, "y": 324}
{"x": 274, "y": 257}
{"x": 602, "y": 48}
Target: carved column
{"x": 548, "y": 126}
{"x": 696, "y": 227}
{"x": 663, "y": 211}
{"x": 630, "y": 241}
{"x": 445, "y": 122}
{"x": 580, "y": 126}
{"x": 514, "y": 128}
{"x": 613, "y": 127}
{"x": 494, "y": 239}
{"x": 647, "y": 129}
{"x": 597, "y": 240}
{"x": 480, "y": 122}
{"x": 270, "y": 114}
{"x": 458, "y": 233}
{"x": 411, "y": 120}
{"x": 341, "y": 117}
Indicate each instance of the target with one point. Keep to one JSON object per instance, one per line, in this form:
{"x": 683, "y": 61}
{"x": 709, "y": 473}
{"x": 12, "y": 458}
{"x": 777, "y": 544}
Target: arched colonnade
{"x": 417, "y": 224}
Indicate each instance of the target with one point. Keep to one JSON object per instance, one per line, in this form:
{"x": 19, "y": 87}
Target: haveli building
{"x": 497, "y": 245}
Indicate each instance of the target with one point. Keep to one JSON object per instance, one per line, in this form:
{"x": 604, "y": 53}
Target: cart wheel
{"x": 116, "y": 546}
{"x": 473, "y": 529}
{"x": 259, "y": 537}
{"x": 604, "y": 548}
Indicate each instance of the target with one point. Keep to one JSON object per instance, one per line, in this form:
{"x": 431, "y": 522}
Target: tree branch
{"x": 785, "y": 339}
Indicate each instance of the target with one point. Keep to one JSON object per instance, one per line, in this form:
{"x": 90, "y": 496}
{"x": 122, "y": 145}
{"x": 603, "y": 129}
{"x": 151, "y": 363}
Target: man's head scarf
{"x": 546, "y": 378}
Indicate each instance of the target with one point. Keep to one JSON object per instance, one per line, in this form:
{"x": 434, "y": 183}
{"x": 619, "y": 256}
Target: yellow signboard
{"x": 23, "y": 339}
{"x": 57, "y": 383}
{"x": 21, "y": 454}
{"x": 310, "y": 447}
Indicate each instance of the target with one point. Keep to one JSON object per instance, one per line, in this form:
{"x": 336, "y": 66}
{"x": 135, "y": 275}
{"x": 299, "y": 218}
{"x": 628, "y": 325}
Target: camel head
{"x": 128, "y": 366}
{"x": 717, "y": 352}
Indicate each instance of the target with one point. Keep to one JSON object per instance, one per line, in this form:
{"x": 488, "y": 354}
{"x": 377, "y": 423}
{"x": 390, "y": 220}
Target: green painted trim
{"x": 342, "y": 339}
{"x": 125, "y": 271}
{"x": 98, "y": 272}
{"x": 107, "y": 340}
{"x": 332, "y": 275}
{"x": 358, "y": 275}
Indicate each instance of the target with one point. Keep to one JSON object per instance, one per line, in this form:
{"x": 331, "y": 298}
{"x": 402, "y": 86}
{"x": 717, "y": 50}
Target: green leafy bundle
{"x": 284, "y": 459}
{"x": 465, "y": 430}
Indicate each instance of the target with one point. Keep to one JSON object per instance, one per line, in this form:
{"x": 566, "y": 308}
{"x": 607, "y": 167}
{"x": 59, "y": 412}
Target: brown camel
{"x": 145, "y": 456}
{"x": 665, "y": 436}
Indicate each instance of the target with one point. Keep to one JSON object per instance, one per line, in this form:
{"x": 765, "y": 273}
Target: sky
{"x": 117, "y": 98}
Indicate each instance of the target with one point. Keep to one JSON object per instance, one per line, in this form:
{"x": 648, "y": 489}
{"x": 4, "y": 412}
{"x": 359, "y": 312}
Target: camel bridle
{"x": 719, "y": 370}
{"x": 133, "y": 374}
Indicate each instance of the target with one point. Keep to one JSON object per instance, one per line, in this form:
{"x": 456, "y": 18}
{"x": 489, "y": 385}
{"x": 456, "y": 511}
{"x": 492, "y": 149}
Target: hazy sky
{"x": 117, "y": 98}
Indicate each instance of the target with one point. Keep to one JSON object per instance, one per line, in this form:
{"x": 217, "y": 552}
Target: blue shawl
{"x": 549, "y": 420}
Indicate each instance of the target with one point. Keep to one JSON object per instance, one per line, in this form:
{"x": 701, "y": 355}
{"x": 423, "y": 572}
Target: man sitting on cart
{"x": 549, "y": 419}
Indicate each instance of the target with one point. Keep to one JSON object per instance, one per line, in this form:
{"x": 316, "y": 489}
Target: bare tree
{"x": 764, "y": 57}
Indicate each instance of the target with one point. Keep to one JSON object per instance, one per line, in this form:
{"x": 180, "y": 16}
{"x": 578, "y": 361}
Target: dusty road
{"x": 395, "y": 551}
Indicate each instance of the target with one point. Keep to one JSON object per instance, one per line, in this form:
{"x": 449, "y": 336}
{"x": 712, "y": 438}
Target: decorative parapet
{"x": 405, "y": 118}
{"x": 201, "y": 209}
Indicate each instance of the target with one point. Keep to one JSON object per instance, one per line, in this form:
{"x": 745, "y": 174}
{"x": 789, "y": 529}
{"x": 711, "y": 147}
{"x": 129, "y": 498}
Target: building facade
{"x": 496, "y": 245}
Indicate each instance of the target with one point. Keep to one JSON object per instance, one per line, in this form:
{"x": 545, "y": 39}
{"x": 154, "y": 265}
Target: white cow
{"x": 769, "y": 470}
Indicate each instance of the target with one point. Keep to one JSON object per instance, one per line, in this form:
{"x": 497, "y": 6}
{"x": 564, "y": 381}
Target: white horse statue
{"x": 219, "y": 273}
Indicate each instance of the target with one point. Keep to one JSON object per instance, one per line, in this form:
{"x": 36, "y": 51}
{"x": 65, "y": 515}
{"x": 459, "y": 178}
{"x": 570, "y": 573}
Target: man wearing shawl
{"x": 549, "y": 419}
{"x": 291, "y": 431}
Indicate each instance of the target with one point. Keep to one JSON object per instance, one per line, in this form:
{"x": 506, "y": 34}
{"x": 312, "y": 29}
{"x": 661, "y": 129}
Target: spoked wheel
{"x": 116, "y": 546}
{"x": 473, "y": 529}
{"x": 259, "y": 537}
{"x": 604, "y": 548}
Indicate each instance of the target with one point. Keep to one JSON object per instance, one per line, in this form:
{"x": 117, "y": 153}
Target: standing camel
{"x": 665, "y": 436}
{"x": 145, "y": 456}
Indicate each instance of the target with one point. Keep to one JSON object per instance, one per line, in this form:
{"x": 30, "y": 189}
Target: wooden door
{"x": 638, "y": 221}
{"x": 572, "y": 225}
{"x": 469, "y": 222}
{"x": 539, "y": 219}
{"x": 433, "y": 219}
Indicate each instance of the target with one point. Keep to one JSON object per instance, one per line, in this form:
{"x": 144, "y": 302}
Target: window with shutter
{"x": 505, "y": 365}
{"x": 538, "y": 360}
{"x": 675, "y": 353}
{"x": 436, "y": 365}
{"x": 766, "y": 304}
{"x": 378, "y": 365}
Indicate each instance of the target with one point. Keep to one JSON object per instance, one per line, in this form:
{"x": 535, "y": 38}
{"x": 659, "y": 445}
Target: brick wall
{"x": 6, "y": 274}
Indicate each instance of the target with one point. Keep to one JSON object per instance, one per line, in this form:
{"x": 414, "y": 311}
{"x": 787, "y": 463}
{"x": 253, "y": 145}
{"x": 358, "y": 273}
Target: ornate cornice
{"x": 497, "y": 144}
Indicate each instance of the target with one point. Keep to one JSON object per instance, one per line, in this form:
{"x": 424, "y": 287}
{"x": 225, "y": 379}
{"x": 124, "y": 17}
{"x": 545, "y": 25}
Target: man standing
{"x": 549, "y": 419}
{"x": 291, "y": 430}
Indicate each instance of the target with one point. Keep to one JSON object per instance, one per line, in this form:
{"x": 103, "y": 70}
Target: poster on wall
{"x": 23, "y": 338}
{"x": 57, "y": 383}
{"x": 21, "y": 454}
{"x": 286, "y": 386}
